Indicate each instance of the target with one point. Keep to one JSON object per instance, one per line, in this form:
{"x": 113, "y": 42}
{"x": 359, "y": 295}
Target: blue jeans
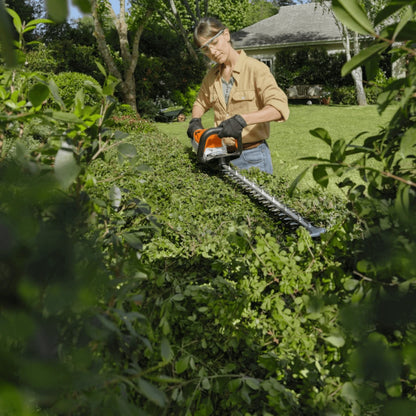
{"x": 259, "y": 157}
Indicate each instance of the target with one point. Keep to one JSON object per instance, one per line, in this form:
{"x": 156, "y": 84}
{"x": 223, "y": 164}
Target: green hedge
{"x": 233, "y": 292}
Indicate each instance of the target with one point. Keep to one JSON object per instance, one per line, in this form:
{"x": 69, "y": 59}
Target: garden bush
{"x": 57, "y": 298}
{"x": 73, "y": 57}
{"x": 69, "y": 83}
{"x": 348, "y": 95}
{"x": 187, "y": 98}
{"x": 124, "y": 118}
{"x": 149, "y": 108}
{"x": 315, "y": 66}
{"x": 158, "y": 74}
{"x": 41, "y": 59}
{"x": 230, "y": 284}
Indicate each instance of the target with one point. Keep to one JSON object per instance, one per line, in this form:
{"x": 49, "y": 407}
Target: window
{"x": 268, "y": 62}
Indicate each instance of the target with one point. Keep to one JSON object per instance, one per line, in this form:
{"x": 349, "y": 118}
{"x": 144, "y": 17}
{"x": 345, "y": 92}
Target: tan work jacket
{"x": 254, "y": 88}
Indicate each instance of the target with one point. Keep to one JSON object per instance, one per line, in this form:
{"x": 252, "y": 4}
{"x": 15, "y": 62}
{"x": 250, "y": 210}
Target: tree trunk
{"x": 129, "y": 53}
{"x": 102, "y": 44}
{"x": 128, "y": 91}
{"x": 357, "y": 74}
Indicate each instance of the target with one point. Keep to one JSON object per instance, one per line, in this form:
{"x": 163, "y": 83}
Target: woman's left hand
{"x": 232, "y": 127}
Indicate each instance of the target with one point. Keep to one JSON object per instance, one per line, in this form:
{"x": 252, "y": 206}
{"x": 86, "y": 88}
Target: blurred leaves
{"x": 379, "y": 317}
{"x": 66, "y": 167}
{"x": 6, "y": 37}
{"x": 134, "y": 291}
{"x": 351, "y": 13}
{"x": 57, "y": 10}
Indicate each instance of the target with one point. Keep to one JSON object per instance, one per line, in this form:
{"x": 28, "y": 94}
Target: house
{"x": 297, "y": 26}
{"x": 301, "y": 25}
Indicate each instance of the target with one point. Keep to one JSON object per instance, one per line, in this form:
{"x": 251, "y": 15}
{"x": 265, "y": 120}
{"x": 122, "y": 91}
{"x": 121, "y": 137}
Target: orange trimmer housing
{"x": 208, "y": 145}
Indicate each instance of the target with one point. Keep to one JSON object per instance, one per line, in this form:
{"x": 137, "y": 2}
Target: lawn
{"x": 291, "y": 140}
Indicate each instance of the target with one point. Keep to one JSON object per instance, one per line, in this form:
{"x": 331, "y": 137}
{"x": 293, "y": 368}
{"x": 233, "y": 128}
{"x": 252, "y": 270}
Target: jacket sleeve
{"x": 270, "y": 93}
{"x": 203, "y": 100}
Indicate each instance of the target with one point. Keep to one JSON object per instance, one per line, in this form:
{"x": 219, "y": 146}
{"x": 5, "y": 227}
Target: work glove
{"x": 232, "y": 127}
{"x": 194, "y": 125}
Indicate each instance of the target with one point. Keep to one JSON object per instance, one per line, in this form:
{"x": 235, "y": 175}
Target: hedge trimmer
{"x": 209, "y": 147}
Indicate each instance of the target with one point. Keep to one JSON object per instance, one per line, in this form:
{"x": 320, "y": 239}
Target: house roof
{"x": 298, "y": 24}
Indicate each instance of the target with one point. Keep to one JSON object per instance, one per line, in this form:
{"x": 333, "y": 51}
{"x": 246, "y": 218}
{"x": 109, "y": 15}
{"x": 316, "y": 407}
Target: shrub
{"x": 147, "y": 108}
{"x": 126, "y": 119}
{"x": 234, "y": 301}
{"x": 186, "y": 99}
{"x": 344, "y": 95}
{"x": 37, "y": 130}
{"x": 158, "y": 73}
{"x": 378, "y": 319}
{"x": 69, "y": 83}
{"x": 78, "y": 58}
{"x": 372, "y": 94}
{"x": 348, "y": 95}
{"x": 41, "y": 59}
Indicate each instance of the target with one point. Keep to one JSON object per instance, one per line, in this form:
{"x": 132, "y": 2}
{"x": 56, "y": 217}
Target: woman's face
{"x": 216, "y": 48}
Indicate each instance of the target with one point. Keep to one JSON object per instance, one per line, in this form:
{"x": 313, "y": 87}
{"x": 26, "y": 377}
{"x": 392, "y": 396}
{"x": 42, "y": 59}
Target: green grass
{"x": 291, "y": 140}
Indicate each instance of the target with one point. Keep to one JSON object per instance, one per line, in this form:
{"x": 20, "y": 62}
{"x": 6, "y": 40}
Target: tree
{"x": 350, "y": 50}
{"x": 125, "y": 24}
{"x": 352, "y": 39}
{"x": 182, "y": 16}
{"x": 261, "y": 9}
{"x": 72, "y": 47}
{"x": 357, "y": 73}
{"x": 176, "y": 22}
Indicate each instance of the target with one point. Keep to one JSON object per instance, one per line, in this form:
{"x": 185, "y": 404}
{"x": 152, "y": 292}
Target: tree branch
{"x": 101, "y": 42}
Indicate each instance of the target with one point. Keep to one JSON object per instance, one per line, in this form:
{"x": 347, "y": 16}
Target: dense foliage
{"x": 310, "y": 66}
{"x": 134, "y": 281}
{"x": 161, "y": 80}
{"x": 379, "y": 319}
{"x": 314, "y": 65}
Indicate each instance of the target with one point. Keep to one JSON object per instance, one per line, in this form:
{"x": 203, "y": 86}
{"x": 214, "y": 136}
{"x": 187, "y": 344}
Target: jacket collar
{"x": 236, "y": 75}
{"x": 237, "y": 69}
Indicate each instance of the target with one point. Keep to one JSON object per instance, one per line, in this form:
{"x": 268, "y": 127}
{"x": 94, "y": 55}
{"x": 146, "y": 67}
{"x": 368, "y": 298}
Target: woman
{"x": 243, "y": 94}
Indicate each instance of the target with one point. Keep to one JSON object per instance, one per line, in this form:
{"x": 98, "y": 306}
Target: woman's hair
{"x": 207, "y": 28}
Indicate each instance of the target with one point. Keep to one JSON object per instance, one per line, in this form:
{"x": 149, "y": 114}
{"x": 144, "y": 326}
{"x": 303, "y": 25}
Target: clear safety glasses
{"x": 204, "y": 48}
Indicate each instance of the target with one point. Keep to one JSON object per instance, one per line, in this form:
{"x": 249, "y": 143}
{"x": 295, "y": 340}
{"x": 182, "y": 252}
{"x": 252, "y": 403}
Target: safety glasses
{"x": 204, "y": 47}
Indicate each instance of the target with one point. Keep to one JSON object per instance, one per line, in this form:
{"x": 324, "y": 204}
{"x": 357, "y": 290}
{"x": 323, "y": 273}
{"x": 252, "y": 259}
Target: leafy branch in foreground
{"x": 379, "y": 319}
{"x": 63, "y": 328}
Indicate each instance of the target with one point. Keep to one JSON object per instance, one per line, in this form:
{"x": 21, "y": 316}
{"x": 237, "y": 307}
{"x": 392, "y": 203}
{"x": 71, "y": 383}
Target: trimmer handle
{"x": 213, "y": 134}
